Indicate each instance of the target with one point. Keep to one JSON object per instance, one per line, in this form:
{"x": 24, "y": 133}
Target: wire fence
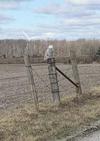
{"x": 15, "y": 89}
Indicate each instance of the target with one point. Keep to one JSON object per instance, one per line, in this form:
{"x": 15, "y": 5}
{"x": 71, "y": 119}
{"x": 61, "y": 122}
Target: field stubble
{"x": 20, "y": 122}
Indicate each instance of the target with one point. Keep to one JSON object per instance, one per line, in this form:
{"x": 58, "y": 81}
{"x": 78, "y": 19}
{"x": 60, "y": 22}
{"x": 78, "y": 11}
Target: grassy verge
{"x": 52, "y": 122}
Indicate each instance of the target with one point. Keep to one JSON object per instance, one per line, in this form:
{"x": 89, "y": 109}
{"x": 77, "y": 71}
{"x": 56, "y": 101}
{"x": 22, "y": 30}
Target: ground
{"x": 91, "y": 137}
{"x": 20, "y": 122}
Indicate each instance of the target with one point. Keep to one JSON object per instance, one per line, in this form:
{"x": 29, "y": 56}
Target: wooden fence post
{"x": 75, "y": 71}
{"x": 31, "y": 78}
{"x": 53, "y": 80}
{"x": 53, "y": 74}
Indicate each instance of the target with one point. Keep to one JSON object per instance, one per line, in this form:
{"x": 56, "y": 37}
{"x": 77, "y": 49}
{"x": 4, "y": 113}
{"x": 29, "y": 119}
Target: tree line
{"x": 12, "y": 50}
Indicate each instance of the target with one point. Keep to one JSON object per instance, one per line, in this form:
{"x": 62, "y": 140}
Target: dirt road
{"x": 93, "y": 137}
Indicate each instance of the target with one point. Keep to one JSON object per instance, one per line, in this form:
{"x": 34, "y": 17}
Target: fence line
{"x": 15, "y": 91}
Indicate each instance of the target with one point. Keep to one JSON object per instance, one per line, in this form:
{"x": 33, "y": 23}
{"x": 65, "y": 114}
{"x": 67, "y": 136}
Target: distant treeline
{"x": 12, "y": 51}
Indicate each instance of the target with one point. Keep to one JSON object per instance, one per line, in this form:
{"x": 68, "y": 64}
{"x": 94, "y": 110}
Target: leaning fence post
{"x": 75, "y": 71}
{"x": 49, "y": 56}
{"x": 30, "y": 77}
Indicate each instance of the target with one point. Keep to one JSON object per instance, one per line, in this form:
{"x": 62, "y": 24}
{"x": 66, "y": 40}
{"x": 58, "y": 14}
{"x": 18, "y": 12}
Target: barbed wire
{"x": 13, "y": 86}
{"x": 14, "y": 77}
{"x": 17, "y": 90}
{"x": 45, "y": 84}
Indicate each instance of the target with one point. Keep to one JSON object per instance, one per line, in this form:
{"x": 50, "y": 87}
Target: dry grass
{"x": 52, "y": 122}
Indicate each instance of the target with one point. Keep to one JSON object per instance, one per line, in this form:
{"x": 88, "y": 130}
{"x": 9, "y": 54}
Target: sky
{"x": 50, "y": 19}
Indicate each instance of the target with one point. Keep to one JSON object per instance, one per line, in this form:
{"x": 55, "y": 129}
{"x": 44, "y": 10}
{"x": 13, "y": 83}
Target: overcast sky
{"x": 53, "y": 19}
